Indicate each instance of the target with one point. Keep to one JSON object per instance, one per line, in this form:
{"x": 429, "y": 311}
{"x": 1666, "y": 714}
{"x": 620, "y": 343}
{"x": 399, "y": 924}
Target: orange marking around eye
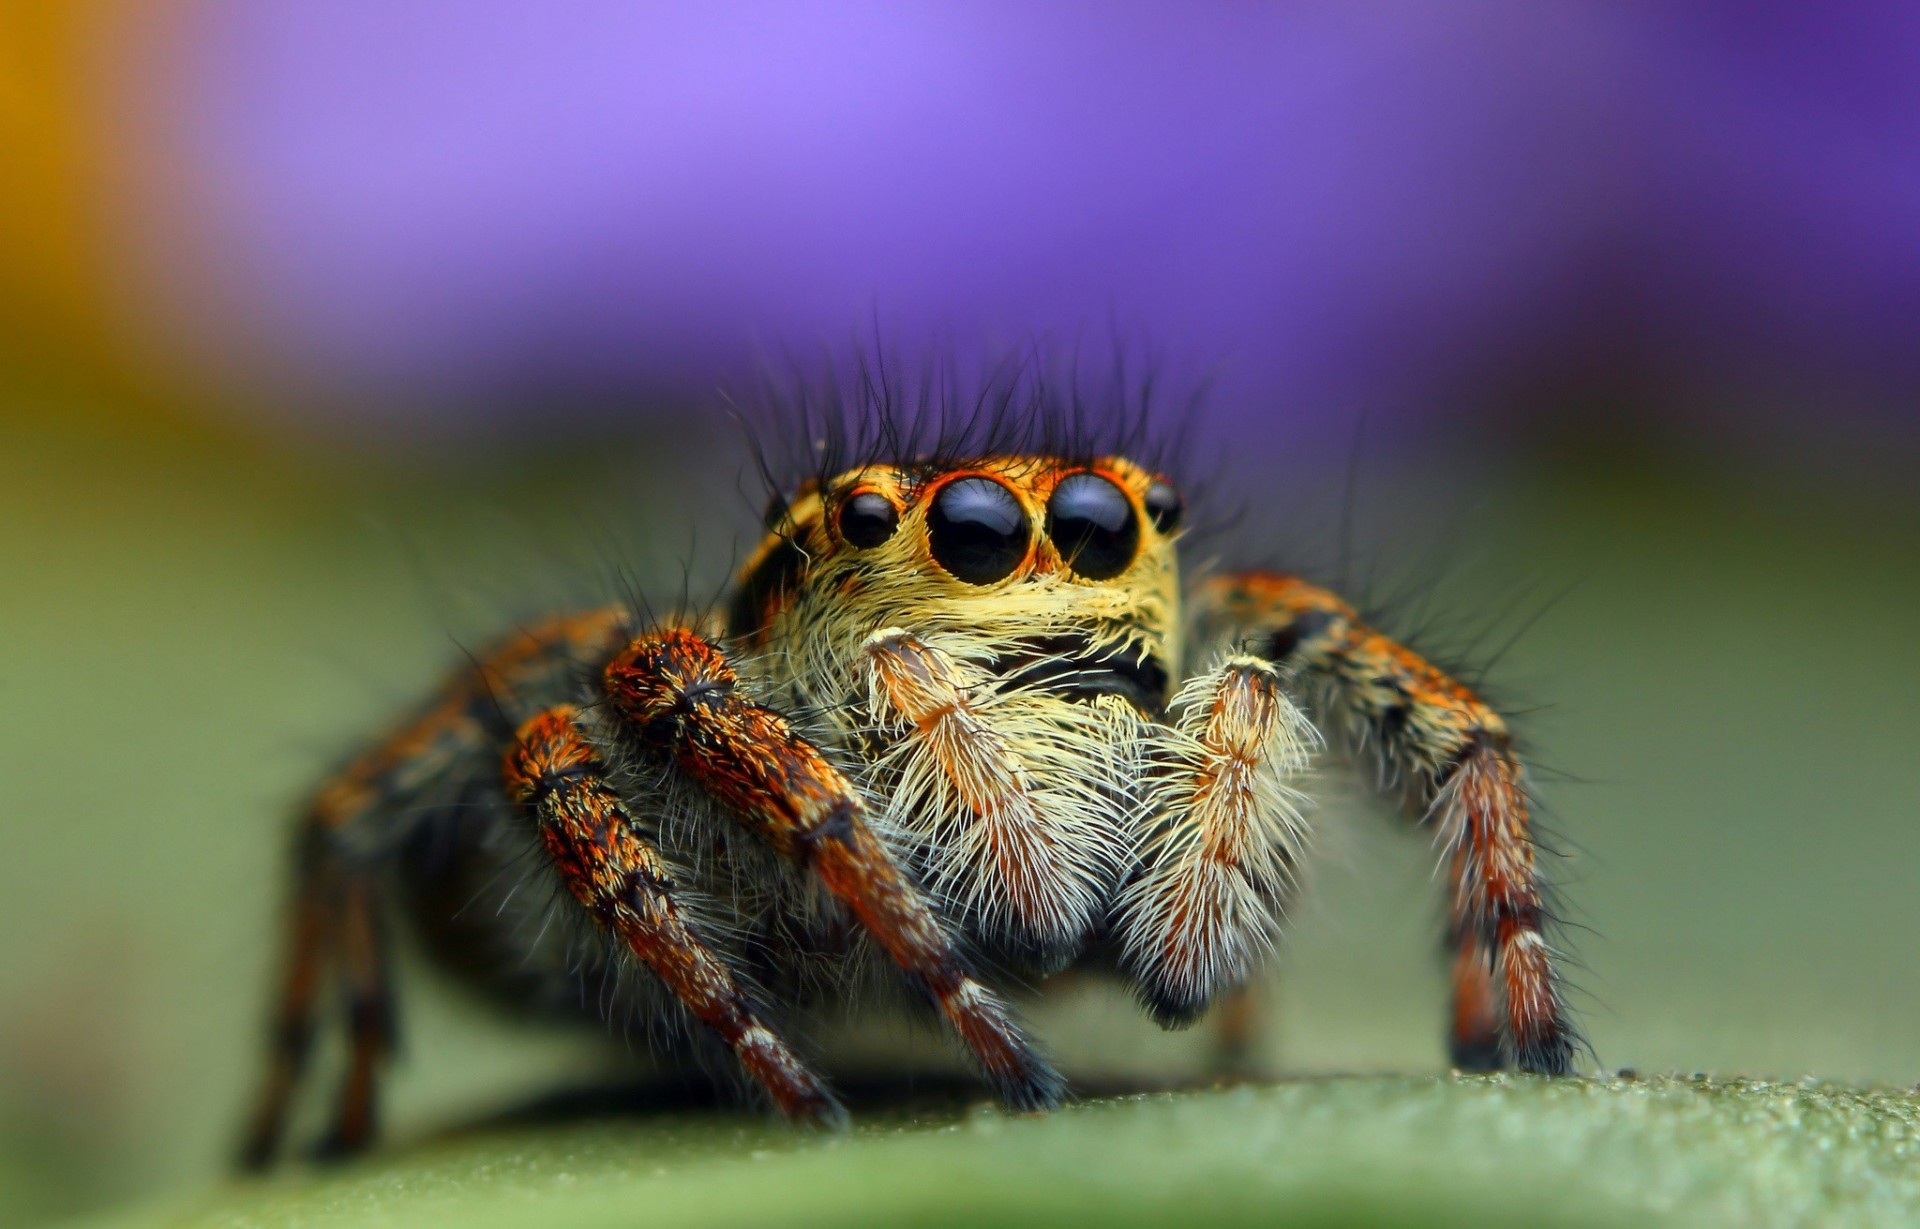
{"x": 1031, "y": 478}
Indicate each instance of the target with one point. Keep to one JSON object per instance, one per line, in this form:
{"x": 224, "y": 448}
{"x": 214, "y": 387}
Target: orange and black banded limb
{"x": 671, "y": 694}
{"x": 677, "y": 692}
{"x": 1432, "y": 740}
{"x": 621, "y": 880}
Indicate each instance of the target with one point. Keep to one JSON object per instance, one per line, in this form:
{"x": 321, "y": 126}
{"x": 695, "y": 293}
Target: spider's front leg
{"x": 676, "y": 693}
{"x": 1431, "y": 737}
{"x": 619, "y": 877}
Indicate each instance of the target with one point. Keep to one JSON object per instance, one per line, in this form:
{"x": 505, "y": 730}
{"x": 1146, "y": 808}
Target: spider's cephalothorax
{"x": 954, "y": 713}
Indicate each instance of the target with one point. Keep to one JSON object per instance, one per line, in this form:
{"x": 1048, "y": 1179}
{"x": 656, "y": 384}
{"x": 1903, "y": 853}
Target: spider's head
{"x": 1045, "y": 571}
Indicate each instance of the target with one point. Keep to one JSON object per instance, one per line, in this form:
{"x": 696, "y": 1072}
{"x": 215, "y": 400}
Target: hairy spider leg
{"x": 677, "y": 691}
{"x": 1225, "y": 841}
{"x": 337, "y": 937}
{"x": 618, "y": 876}
{"x": 1474, "y": 1041}
{"x": 310, "y": 947}
{"x": 338, "y": 940}
{"x": 367, "y": 968}
{"x": 1431, "y": 738}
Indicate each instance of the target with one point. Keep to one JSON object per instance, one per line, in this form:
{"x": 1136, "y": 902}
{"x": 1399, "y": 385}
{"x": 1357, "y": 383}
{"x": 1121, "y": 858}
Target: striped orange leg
{"x": 676, "y": 692}
{"x": 1430, "y": 737}
{"x": 553, "y": 772}
{"x": 1239, "y": 1022}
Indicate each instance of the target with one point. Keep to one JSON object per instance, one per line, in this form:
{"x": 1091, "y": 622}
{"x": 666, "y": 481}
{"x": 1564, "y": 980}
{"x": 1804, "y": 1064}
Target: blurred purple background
{"x": 451, "y": 217}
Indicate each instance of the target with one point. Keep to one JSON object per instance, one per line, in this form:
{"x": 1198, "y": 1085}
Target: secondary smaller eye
{"x": 1165, "y": 506}
{"x": 867, "y": 520}
{"x": 1092, "y": 524}
{"x": 977, "y": 530}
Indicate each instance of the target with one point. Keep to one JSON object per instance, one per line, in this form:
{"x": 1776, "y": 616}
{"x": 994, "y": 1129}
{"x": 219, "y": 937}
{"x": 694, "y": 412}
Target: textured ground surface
{"x": 1359, "y": 1151}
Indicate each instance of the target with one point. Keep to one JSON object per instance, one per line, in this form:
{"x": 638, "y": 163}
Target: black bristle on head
{"x": 950, "y": 411}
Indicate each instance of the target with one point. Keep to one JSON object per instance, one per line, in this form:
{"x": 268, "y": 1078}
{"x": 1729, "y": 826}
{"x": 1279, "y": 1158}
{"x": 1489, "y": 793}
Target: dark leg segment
{"x": 337, "y": 941}
{"x": 315, "y": 921}
{"x": 1432, "y": 739}
{"x": 371, "y": 1032}
{"x": 677, "y": 693}
{"x": 619, "y": 878}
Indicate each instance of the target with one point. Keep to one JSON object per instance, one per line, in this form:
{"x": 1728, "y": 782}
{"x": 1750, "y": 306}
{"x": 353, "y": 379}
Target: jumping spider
{"x": 952, "y": 719}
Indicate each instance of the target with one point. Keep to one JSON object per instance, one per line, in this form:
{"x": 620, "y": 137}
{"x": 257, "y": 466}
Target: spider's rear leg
{"x": 677, "y": 693}
{"x": 337, "y": 944}
{"x": 1225, "y": 842}
{"x": 367, "y": 968}
{"x": 337, "y": 939}
{"x": 312, "y": 940}
{"x": 618, "y": 876}
{"x": 1430, "y": 736}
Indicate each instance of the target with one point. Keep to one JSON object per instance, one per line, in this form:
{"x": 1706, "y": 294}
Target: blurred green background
{"x": 204, "y": 603}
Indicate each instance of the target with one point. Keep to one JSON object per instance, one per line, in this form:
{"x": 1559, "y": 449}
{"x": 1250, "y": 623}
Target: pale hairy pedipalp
{"x": 1011, "y": 793}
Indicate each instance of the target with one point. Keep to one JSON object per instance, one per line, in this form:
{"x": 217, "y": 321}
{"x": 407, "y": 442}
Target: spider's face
{"x": 1041, "y": 571}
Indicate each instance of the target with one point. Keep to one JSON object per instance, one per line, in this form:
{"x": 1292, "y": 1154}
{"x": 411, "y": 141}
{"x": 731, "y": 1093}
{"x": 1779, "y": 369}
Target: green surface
{"x": 1463, "y": 1151}
{"x": 193, "y": 630}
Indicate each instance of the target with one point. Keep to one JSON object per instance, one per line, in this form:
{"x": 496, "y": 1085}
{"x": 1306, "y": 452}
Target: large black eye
{"x": 1092, "y": 525}
{"x": 867, "y": 520}
{"x": 1164, "y": 505}
{"x": 978, "y": 530}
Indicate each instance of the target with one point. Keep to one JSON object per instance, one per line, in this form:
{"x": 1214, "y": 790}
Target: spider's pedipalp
{"x": 1429, "y": 738}
{"x": 1033, "y": 863}
{"x": 619, "y": 877}
{"x": 1227, "y": 838}
{"x": 678, "y": 693}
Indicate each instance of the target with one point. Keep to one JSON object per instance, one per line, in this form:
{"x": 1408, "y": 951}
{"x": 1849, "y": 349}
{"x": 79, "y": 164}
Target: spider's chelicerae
{"x": 958, "y": 715}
